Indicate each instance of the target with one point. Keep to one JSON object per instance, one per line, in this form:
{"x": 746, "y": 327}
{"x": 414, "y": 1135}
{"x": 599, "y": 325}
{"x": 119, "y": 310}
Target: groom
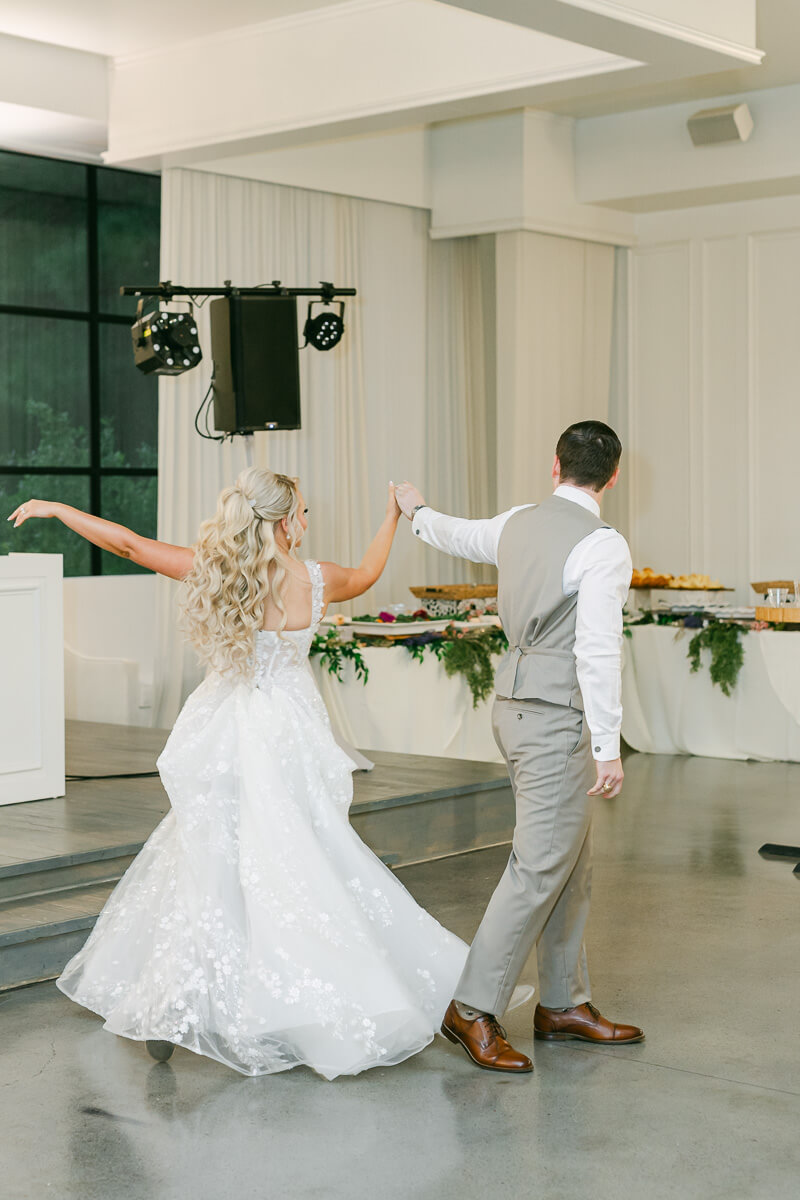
{"x": 563, "y": 579}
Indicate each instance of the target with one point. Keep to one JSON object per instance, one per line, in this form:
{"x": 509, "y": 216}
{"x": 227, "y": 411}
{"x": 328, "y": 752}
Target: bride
{"x": 255, "y": 927}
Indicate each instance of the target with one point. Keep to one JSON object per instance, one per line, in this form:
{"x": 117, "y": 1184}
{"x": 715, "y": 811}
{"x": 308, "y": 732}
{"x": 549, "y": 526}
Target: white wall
{"x": 644, "y": 160}
{"x": 713, "y": 421}
{"x": 109, "y": 635}
{"x": 385, "y": 166}
{"x": 513, "y": 171}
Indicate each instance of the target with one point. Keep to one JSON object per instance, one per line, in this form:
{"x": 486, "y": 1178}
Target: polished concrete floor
{"x": 693, "y": 936}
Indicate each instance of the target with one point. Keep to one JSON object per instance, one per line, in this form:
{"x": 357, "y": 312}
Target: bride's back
{"x": 296, "y": 593}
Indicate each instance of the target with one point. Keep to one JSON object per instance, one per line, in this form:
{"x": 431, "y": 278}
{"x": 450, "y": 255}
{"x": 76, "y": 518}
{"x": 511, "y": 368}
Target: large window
{"x": 78, "y": 422}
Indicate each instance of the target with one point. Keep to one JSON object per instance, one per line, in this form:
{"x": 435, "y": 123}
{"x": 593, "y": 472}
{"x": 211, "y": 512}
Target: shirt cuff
{"x": 418, "y": 519}
{"x": 605, "y": 747}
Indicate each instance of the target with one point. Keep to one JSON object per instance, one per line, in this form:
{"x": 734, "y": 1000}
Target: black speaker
{"x": 254, "y": 345}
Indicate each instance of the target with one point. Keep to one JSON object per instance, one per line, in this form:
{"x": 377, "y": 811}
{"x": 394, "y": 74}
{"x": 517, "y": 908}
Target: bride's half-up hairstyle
{"x": 224, "y": 594}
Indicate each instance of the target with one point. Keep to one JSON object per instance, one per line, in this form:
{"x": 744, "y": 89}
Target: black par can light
{"x": 325, "y": 330}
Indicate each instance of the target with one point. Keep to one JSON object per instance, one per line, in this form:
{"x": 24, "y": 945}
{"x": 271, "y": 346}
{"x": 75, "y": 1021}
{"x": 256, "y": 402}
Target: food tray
{"x": 678, "y": 587}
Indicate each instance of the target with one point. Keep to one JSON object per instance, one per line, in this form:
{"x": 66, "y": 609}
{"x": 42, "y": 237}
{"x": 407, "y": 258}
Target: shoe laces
{"x": 593, "y": 1010}
{"x": 495, "y": 1029}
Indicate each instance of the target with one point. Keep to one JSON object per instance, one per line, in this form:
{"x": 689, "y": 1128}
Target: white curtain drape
{"x": 616, "y": 505}
{"x": 459, "y": 415}
{"x": 402, "y": 396}
{"x": 554, "y": 313}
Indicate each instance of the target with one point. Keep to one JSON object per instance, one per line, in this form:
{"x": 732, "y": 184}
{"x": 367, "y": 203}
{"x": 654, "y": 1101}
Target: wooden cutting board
{"x": 787, "y": 614}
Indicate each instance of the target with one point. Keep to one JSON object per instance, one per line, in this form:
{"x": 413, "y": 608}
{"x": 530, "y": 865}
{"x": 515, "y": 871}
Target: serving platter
{"x": 388, "y": 628}
{"x": 405, "y": 629}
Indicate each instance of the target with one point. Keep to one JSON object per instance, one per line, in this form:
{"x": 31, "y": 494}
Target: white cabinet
{"x": 31, "y": 677}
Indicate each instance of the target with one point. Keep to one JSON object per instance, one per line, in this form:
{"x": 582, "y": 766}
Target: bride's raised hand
{"x": 345, "y": 583}
{"x": 393, "y": 509}
{"x": 31, "y": 508}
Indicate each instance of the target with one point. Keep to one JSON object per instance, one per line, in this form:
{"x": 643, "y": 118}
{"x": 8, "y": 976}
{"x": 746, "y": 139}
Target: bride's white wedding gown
{"x": 255, "y": 926}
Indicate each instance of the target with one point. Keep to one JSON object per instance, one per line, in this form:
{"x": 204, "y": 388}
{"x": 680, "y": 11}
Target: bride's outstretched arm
{"x": 345, "y": 583}
{"x": 174, "y": 561}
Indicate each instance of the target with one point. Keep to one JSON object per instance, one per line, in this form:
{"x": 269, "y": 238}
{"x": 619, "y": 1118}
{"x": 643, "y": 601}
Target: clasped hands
{"x": 408, "y": 497}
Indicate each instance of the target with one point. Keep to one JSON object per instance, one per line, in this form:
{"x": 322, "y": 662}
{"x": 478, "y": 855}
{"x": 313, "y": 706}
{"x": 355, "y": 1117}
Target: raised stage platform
{"x": 60, "y": 859}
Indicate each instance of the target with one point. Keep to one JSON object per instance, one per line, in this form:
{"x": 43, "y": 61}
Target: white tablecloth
{"x": 409, "y": 707}
{"x": 414, "y": 708}
{"x": 668, "y": 710}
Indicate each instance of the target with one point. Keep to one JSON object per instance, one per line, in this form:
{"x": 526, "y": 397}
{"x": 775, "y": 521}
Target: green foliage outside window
{"x": 66, "y": 366}
{"x": 129, "y": 499}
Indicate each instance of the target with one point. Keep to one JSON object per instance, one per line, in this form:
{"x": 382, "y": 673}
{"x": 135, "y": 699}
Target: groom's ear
{"x": 613, "y": 480}
{"x": 556, "y": 471}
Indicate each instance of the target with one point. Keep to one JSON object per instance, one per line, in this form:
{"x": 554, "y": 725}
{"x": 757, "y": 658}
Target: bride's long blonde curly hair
{"x": 224, "y": 594}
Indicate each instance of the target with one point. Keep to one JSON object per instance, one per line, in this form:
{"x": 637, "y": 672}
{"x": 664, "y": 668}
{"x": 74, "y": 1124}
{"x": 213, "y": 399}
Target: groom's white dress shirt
{"x": 598, "y": 569}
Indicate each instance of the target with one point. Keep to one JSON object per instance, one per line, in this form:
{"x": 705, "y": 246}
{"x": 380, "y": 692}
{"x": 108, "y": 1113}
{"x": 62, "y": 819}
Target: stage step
{"x": 39, "y": 936}
{"x": 60, "y": 859}
{"x": 54, "y": 876}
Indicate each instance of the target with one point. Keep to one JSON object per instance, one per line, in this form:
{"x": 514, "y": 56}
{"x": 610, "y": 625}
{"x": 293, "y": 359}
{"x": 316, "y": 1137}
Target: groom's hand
{"x": 609, "y": 779}
{"x": 408, "y": 497}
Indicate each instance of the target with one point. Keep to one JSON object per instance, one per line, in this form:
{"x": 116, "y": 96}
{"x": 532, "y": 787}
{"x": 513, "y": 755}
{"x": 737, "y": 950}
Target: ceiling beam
{"x": 354, "y": 68}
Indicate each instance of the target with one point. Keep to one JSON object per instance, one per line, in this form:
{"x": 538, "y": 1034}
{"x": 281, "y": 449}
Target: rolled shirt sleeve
{"x": 603, "y": 568}
{"x": 477, "y": 541}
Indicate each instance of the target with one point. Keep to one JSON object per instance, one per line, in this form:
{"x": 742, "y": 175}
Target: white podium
{"x": 31, "y": 677}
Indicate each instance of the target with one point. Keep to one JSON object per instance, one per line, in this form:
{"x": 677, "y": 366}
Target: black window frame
{"x": 94, "y": 319}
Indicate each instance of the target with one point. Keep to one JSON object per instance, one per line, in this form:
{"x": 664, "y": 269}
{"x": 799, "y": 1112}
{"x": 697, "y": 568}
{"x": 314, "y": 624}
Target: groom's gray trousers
{"x": 543, "y": 897}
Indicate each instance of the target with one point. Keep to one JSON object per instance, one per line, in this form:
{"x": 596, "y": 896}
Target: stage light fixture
{"x": 165, "y": 342}
{"x": 325, "y": 330}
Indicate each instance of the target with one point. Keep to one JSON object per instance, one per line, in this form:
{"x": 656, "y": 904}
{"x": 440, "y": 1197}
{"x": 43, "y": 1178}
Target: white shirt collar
{"x": 568, "y": 492}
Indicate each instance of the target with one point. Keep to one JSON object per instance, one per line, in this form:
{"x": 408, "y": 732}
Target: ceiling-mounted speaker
{"x": 733, "y": 123}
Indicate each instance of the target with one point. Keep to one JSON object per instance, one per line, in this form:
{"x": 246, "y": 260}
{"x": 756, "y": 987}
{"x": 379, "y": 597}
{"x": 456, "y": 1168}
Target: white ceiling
{"x": 777, "y": 34}
{"x": 121, "y": 27}
{"x": 118, "y": 27}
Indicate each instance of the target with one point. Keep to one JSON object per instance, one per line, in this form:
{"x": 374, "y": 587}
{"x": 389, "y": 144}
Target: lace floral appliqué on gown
{"x": 255, "y": 927}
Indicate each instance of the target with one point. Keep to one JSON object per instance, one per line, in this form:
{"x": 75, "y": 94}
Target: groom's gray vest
{"x": 538, "y": 619}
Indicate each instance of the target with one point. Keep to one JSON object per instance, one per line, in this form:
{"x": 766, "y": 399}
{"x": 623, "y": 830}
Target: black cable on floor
{"x": 132, "y": 775}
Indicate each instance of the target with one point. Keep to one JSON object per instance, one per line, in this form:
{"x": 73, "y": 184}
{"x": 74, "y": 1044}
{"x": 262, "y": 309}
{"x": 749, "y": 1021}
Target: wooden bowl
{"x": 787, "y": 614}
{"x": 455, "y": 591}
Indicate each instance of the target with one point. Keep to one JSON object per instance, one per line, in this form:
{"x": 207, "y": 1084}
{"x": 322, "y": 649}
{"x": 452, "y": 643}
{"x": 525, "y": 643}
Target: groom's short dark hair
{"x": 589, "y": 453}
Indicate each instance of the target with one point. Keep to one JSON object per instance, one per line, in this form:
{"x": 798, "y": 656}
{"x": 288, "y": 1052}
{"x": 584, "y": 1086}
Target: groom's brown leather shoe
{"x": 584, "y": 1023}
{"x": 485, "y": 1041}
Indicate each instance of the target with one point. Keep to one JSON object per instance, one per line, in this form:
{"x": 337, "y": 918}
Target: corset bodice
{"x": 278, "y": 652}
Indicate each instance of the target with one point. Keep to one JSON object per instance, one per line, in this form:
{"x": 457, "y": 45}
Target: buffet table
{"x": 412, "y": 706}
{"x": 669, "y": 710}
{"x": 408, "y": 707}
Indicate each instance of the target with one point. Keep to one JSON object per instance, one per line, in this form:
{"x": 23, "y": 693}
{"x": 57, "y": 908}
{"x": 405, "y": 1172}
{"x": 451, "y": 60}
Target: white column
{"x": 554, "y": 313}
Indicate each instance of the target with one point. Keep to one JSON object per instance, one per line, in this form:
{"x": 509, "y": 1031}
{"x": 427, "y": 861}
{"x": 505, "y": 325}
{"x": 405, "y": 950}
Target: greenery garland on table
{"x": 468, "y": 653}
{"x": 722, "y": 638}
{"x": 333, "y": 653}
